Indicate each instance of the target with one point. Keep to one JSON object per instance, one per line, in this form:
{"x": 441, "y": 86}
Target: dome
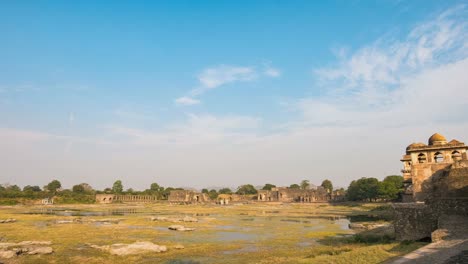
{"x": 437, "y": 139}
{"x": 415, "y": 145}
{"x": 454, "y": 142}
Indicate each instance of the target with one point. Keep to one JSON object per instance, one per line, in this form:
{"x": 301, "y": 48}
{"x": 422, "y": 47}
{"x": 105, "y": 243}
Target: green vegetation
{"x": 268, "y": 186}
{"x": 246, "y": 189}
{"x": 53, "y": 186}
{"x": 327, "y": 185}
{"x": 371, "y": 189}
{"x": 117, "y": 187}
{"x": 252, "y": 233}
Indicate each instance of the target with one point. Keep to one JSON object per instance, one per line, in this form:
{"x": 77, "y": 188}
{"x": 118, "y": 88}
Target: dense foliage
{"x": 371, "y": 189}
{"x": 327, "y": 185}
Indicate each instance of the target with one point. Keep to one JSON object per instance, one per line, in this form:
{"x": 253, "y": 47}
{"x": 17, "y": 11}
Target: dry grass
{"x": 254, "y": 233}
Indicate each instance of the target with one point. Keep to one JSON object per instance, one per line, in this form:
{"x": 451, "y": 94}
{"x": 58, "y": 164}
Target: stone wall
{"x": 414, "y": 221}
{"x": 446, "y": 198}
{"x": 184, "y": 196}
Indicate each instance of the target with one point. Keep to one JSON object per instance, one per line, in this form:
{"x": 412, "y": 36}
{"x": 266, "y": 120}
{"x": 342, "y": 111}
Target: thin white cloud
{"x": 195, "y": 129}
{"x": 272, "y": 72}
{"x": 215, "y": 77}
{"x": 186, "y": 101}
{"x": 386, "y": 81}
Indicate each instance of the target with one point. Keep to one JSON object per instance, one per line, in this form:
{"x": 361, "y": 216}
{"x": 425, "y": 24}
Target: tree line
{"x": 364, "y": 189}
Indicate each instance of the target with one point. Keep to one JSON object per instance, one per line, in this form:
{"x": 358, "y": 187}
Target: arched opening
{"x": 421, "y": 158}
{"x": 104, "y": 199}
{"x": 456, "y": 156}
{"x": 438, "y": 157}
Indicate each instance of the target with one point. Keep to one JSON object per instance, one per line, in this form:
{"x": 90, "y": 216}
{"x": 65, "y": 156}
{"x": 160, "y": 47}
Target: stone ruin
{"x": 285, "y": 194}
{"x": 436, "y": 190}
{"x": 185, "y": 196}
{"x": 114, "y": 198}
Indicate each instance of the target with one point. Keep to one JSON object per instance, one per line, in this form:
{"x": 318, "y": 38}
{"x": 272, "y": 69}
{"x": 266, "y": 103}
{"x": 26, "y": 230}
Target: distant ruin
{"x": 288, "y": 195}
{"x": 114, "y": 198}
{"x": 436, "y": 188}
{"x": 185, "y": 196}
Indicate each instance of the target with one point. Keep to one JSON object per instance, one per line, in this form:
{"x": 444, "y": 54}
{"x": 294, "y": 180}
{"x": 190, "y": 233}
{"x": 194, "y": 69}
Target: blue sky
{"x": 200, "y": 93}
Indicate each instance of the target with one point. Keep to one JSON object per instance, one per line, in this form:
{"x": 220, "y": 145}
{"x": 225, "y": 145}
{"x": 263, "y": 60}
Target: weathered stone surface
{"x": 107, "y": 221}
{"x": 189, "y": 219}
{"x": 368, "y": 225}
{"x": 9, "y": 250}
{"x": 439, "y": 234}
{"x": 413, "y": 221}
{"x": 39, "y": 250}
{"x": 131, "y": 249}
{"x": 8, "y": 220}
{"x": 7, "y": 254}
{"x": 180, "y": 228}
{"x": 29, "y": 243}
{"x": 179, "y": 247}
{"x": 174, "y": 220}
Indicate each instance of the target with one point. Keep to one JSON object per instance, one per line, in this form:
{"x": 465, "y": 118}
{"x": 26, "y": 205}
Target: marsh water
{"x": 227, "y": 233}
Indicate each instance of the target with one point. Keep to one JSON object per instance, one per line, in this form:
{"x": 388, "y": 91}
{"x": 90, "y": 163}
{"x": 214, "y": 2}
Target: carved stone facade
{"x": 422, "y": 162}
{"x": 113, "y": 198}
{"x": 284, "y": 194}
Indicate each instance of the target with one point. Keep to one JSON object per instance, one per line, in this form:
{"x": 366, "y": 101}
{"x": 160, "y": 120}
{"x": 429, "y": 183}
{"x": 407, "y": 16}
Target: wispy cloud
{"x": 211, "y": 78}
{"x": 388, "y": 78}
{"x": 215, "y": 77}
{"x": 195, "y": 129}
{"x": 186, "y": 101}
{"x": 272, "y": 72}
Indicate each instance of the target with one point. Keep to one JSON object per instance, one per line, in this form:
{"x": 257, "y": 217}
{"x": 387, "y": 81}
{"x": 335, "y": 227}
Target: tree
{"x": 294, "y": 186}
{"x": 29, "y": 188}
{"x": 155, "y": 187}
{"x": 117, "y": 187}
{"x": 391, "y": 187}
{"x": 225, "y": 191}
{"x": 130, "y": 191}
{"x": 246, "y": 189}
{"x": 78, "y": 189}
{"x": 305, "y": 184}
{"x": 204, "y": 190}
{"x": 364, "y": 189}
{"x": 268, "y": 186}
{"x": 53, "y": 186}
{"x": 213, "y": 194}
{"x": 327, "y": 185}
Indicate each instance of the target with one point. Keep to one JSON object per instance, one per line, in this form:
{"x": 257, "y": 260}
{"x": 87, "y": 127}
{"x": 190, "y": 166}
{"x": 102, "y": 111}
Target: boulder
{"x": 179, "y": 247}
{"x": 39, "y": 250}
{"x": 7, "y": 254}
{"x": 189, "y": 219}
{"x": 9, "y": 250}
{"x": 8, "y": 220}
{"x": 439, "y": 235}
{"x": 29, "y": 243}
{"x": 131, "y": 249}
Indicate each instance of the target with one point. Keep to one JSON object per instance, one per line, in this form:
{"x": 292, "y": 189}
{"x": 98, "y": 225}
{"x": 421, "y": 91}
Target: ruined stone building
{"x": 285, "y": 194}
{"x": 114, "y": 198}
{"x": 436, "y": 190}
{"x": 185, "y": 196}
{"x": 422, "y": 162}
{"x": 225, "y": 199}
